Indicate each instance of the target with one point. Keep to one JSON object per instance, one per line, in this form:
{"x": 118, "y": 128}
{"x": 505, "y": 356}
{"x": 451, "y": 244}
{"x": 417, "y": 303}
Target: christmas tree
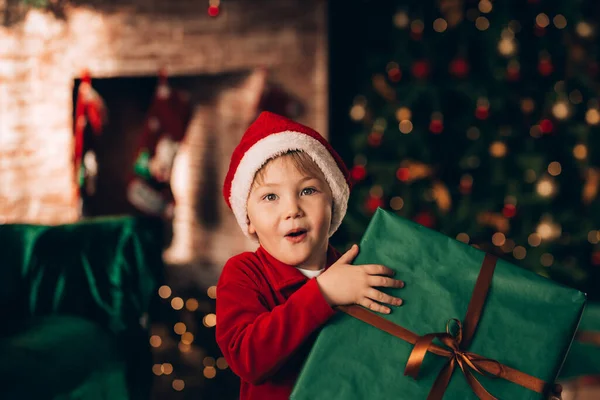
{"x": 481, "y": 119}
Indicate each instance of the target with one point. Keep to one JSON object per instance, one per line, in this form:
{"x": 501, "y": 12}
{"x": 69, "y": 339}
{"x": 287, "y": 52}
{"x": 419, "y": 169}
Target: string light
{"x": 485, "y": 6}
{"x": 542, "y": 20}
{"x": 580, "y": 151}
{"x": 396, "y": 203}
{"x": 401, "y": 19}
{"x": 498, "y": 239}
{"x": 482, "y": 23}
{"x": 507, "y": 47}
{"x": 167, "y": 368}
{"x": 177, "y": 303}
{"x": 191, "y": 305}
{"x": 545, "y": 187}
{"x": 463, "y": 237}
{"x": 210, "y": 320}
{"x": 403, "y": 113}
{"x": 592, "y": 116}
{"x": 178, "y": 384}
{"x": 560, "y": 21}
{"x": 187, "y": 338}
{"x": 584, "y": 29}
{"x": 155, "y": 341}
{"x": 222, "y": 363}
{"x": 212, "y": 292}
{"x": 534, "y": 240}
{"x": 594, "y": 237}
{"x": 554, "y": 168}
{"x": 179, "y": 328}
{"x": 210, "y": 372}
{"x": 547, "y": 259}
{"x": 440, "y": 25}
{"x": 560, "y": 110}
{"x": 357, "y": 112}
{"x": 164, "y": 292}
{"x": 519, "y": 252}
{"x": 548, "y": 230}
{"x": 405, "y": 126}
{"x": 508, "y": 246}
{"x": 498, "y": 149}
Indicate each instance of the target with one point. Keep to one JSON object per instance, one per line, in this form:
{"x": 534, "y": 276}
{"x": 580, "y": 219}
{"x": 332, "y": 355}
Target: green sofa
{"x": 74, "y": 301}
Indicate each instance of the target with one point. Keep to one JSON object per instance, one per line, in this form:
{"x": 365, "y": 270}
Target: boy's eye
{"x": 270, "y": 197}
{"x": 308, "y": 191}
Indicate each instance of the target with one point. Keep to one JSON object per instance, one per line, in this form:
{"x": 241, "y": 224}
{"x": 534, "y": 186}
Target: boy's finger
{"x": 381, "y": 297}
{"x": 376, "y": 269}
{"x": 373, "y": 306}
{"x": 384, "y": 281}
{"x": 348, "y": 256}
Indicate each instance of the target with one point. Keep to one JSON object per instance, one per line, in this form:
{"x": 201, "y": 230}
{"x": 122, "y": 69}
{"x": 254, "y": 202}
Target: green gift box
{"x": 584, "y": 357}
{"x": 527, "y": 324}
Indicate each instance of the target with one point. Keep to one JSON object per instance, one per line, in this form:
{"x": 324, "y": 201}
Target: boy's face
{"x": 290, "y": 213}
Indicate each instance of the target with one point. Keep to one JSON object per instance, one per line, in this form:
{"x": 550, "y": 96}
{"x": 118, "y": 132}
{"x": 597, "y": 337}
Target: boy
{"x": 288, "y": 189}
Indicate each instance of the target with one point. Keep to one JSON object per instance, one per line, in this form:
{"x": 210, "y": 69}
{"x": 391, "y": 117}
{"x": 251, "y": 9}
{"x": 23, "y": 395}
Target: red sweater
{"x": 268, "y": 315}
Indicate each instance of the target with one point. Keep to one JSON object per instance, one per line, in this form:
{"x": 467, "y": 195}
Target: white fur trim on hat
{"x": 275, "y": 145}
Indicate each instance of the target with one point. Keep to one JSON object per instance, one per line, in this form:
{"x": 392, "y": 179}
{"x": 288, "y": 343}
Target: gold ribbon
{"x": 456, "y": 345}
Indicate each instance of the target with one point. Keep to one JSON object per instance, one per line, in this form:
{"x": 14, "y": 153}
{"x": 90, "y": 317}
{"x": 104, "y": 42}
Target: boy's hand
{"x": 344, "y": 284}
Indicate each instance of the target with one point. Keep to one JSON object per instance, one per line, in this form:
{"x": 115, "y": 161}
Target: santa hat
{"x": 269, "y": 136}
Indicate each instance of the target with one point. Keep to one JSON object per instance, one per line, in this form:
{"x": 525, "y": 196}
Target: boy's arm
{"x": 256, "y": 341}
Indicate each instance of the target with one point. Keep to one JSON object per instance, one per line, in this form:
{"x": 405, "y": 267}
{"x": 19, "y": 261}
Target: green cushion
{"x": 61, "y": 357}
{"x": 103, "y": 269}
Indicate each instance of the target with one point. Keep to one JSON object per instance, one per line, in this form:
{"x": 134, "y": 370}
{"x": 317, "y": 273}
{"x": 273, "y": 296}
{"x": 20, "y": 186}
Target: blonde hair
{"x": 299, "y": 159}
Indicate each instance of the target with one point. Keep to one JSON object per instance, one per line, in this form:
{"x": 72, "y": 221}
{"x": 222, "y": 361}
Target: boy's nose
{"x": 293, "y": 209}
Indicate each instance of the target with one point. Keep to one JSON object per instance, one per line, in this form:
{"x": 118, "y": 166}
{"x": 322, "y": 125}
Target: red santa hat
{"x": 269, "y": 136}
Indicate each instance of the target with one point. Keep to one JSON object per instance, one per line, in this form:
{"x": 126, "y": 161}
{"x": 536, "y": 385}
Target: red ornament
{"x": 373, "y": 203}
{"x": 509, "y": 210}
{"x": 539, "y": 31}
{"x": 545, "y": 67}
{"x": 213, "y": 11}
{"x": 374, "y": 139}
{"x": 358, "y": 173}
{"x": 403, "y": 174}
{"x": 465, "y": 187}
{"x": 513, "y": 74}
{"x": 425, "y": 218}
{"x": 546, "y": 126}
{"x": 459, "y": 67}
{"x": 436, "y": 126}
{"x": 593, "y": 68}
{"x": 420, "y": 69}
{"x": 596, "y": 258}
{"x": 395, "y": 74}
{"x": 482, "y": 112}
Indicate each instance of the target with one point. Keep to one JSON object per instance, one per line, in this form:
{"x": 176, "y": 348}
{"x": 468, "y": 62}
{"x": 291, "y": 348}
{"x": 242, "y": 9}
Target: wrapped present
{"x": 583, "y": 360}
{"x": 472, "y": 326}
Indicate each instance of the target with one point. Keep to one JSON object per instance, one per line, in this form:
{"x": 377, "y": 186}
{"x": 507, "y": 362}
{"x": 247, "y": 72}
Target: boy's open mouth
{"x": 296, "y": 232}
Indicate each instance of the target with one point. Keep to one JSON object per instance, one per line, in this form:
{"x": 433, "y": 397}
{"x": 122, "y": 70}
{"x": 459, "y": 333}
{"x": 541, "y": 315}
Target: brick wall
{"x": 41, "y": 55}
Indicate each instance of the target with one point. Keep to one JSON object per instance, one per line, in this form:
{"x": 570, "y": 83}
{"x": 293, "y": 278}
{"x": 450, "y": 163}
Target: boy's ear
{"x": 251, "y": 229}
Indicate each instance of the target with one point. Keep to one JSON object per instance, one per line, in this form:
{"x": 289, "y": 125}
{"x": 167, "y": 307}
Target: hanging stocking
{"x": 150, "y": 189}
{"x": 90, "y": 119}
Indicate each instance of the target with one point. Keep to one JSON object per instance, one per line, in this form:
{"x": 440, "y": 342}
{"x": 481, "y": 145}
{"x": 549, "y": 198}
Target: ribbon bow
{"x": 466, "y": 361}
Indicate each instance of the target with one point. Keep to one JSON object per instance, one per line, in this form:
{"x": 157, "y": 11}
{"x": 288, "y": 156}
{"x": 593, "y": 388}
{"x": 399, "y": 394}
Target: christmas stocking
{"x": 90, "y": 119}
{"x": 150, "y": 189}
